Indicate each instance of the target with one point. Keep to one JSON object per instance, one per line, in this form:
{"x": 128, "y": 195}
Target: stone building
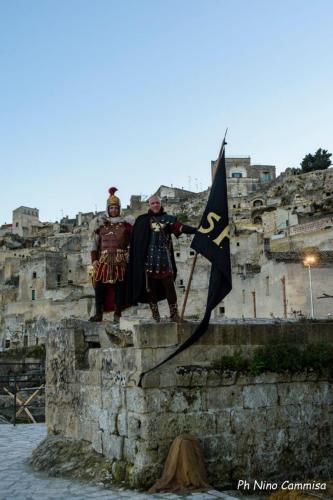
{"x": 244, "y": 178}
{"x": 25, "y": 221}
{"x": 44, "y": 276}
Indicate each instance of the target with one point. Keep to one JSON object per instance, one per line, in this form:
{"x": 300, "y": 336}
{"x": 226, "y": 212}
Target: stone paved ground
{"x": 19, "y": 482}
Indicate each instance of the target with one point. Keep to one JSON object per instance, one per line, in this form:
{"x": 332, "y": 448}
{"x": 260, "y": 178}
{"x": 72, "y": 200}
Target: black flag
{"x": 212, "y": 241}
{"x": 212, "y": 237}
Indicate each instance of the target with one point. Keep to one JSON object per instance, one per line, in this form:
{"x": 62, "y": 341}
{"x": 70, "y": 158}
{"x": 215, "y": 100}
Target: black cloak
{"x": 136, "y": 276}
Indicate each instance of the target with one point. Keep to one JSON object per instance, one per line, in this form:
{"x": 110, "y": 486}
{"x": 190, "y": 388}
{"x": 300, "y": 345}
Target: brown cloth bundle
{"x": 184, "y": 469}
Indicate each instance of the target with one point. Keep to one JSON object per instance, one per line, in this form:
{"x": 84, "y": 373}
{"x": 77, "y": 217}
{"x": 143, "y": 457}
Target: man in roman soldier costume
{"x": 152, "y": 268}
{"x": 109, "y": 258}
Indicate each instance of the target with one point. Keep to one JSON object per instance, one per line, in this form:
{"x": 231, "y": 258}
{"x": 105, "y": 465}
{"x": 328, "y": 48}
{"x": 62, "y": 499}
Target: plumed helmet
{"x": 113, "y": 199}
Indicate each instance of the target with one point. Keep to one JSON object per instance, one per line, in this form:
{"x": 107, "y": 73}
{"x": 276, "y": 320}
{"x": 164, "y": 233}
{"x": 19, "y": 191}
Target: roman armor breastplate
{"x": 158, "y": 259}
{"x": 114, "y": 236}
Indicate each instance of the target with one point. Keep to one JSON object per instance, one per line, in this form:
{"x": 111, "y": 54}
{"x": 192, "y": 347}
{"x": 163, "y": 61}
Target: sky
{"x": 138, "y": 93}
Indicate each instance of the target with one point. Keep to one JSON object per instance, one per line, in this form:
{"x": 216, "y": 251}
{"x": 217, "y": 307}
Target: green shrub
{"x": 280, "y": 358}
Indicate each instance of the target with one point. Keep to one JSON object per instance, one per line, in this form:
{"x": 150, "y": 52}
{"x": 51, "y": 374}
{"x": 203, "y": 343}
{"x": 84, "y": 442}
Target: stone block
{"x": 96, "y": 442}
{"x": 323, "y": 393}
{"x": 151, "y": 380}
{"x": 313, "y": 376}
{"x": 93, "y": 359}
{"x": 119, "y": 470}
{"x": 312, "y": 415}
{"x": 155, "y": 335}
{"x": 232, "y": 334}
{"x": 145, "y": 359}
{"x": 223, "y": 421}
{"x": 161, "y": 353}
{"x": 295, "y": 393}
{"x": 298, "y": 376}
{"x": 130, "y": 449}
{"x": 122, "y": 423}
{"x": 263, "y": 334}
{"x": 136, "y": 400}
{"x": 199, "y": 377}
{"x": 243, "y": 420}
{"x": 223, "y": 397}
{"x": 133, "y": 425}
{"x": 201, "y": 424}
{"x": 146, "y": 458}
{"x": 158, "y": 399}
{"x": 123, "y": 358}
{"x": 113, "y": 397}
{"x": 294, "y": 333}
{"x": 224, "y": 444}
{"x": 162, "y": 426}
{"x": 228, "y": 377}
{"x": 167, "y": 377}
{"x": 213, "y": 378}
{"x": 182, "y": 400}
{"x": 88, "y": 377}
{"x": 183, "y": 376}
{"x": 113, "y": 446}
{"x": 260, "y": 396}
{"x": 207, "y": 354}
{"x": 107, "y": 421}
{"x": 319, "y": 332}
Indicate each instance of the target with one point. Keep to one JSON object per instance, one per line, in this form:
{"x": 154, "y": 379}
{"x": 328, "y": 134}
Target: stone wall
{"x": 272, "y": 426}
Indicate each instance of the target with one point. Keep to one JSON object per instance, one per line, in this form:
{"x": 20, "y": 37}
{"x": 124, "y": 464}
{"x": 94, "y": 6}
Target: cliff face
{"x": 46, "y": 275}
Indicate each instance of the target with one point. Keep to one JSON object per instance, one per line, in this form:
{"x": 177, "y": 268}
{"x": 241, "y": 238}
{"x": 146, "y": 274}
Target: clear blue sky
{"x": 138, "y": 93}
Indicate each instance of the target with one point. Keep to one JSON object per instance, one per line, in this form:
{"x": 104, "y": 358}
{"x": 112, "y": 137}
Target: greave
{"x": 99, "y": 314}
{"x": 155, "y": 312}
{"x": 174, "y": 316}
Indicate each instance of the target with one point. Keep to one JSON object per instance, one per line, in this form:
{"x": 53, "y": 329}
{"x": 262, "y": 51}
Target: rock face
{"x": 71, "y": 458}
{"x": 272, "y": 426}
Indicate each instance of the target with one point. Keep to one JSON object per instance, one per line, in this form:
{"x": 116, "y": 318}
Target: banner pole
{"x": 188, "y": 285}
{"x": 196, "y": 255}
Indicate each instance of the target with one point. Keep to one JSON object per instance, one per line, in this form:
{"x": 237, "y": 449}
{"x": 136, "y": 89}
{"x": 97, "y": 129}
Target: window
{"x": 177, "y": 254}
{"x": 191, "y": 252}
{"x": 243, "y": 296}
{"x": 181, "y": 282}
{"x": 267, "y": 285}
{"x": 222, "y": 310}
{"x": 37, "y": 340}
{"x": 266, "y": 176}
{"x": 25, "y": 341}
{"x": 237, "y": 175}
{"x": 33, "y": 294}
{"x": 58, "y": 279}
{"x": 7, "y": 344}
{"x": 237, "y": 243}
{"x": 17, "y": 224}
{"x": 34, "y": 275}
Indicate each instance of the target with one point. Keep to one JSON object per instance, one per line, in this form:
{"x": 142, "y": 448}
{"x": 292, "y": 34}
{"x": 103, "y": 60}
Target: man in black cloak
{"x": 152, "y": 268}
